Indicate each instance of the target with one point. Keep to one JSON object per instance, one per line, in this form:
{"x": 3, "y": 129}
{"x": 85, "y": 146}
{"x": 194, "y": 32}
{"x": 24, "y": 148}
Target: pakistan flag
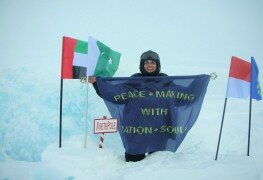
{"x": 102, "y": 60}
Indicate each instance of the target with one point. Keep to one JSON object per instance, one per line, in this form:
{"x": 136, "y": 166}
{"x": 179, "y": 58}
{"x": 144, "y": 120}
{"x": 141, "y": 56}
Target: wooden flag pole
{"x": 249, "y": 125}
{"x": 222, "y": 122}
{"x": 60, "y": 114}
{"x": 102, "y": 137}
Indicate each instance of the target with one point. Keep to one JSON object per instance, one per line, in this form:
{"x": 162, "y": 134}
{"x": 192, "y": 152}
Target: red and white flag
{"x": 239, "y": 79}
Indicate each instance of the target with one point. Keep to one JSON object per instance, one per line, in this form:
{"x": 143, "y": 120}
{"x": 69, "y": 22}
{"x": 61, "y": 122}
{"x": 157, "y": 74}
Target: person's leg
{"x": 134, "y": 157}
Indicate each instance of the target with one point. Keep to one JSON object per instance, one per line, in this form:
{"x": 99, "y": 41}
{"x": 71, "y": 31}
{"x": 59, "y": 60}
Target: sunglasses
{"x": 149, "y": 62}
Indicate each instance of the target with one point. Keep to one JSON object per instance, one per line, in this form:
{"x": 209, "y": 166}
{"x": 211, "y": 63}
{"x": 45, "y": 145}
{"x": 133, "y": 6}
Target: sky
{"x": 181, "y": 32}
{"x": 191, "y": 37}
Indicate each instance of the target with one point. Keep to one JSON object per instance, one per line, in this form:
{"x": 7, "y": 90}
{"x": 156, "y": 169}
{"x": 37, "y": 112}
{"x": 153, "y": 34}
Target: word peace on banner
{"x": 105, "y": 126}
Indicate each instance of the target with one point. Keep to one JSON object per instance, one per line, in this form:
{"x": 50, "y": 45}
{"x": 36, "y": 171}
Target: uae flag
{"x": 74, "y": 58}
{"x": 103, "y": 61}
{"x": 239, "y": 78}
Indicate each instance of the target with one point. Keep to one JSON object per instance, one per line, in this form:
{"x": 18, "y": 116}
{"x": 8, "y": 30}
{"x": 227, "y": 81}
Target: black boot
{"x": 134, "y": 158}
{"x": 151, "y": 152}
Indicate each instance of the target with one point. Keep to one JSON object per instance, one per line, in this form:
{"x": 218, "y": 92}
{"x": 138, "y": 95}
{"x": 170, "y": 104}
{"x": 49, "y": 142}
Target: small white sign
{"x": 105, "y": 126}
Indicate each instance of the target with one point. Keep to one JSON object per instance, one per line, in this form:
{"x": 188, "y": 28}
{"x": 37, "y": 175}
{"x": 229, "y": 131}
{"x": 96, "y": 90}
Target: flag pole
{"x": 86, "y": 117}
{"x": 249, "y": 125}
{"x": 60, "y": 114}
{"x": 250, "y": 108}
{"x": 222, "y": 122}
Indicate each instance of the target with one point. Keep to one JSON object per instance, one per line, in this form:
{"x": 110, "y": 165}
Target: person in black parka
{"x": 149, "y": 66}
